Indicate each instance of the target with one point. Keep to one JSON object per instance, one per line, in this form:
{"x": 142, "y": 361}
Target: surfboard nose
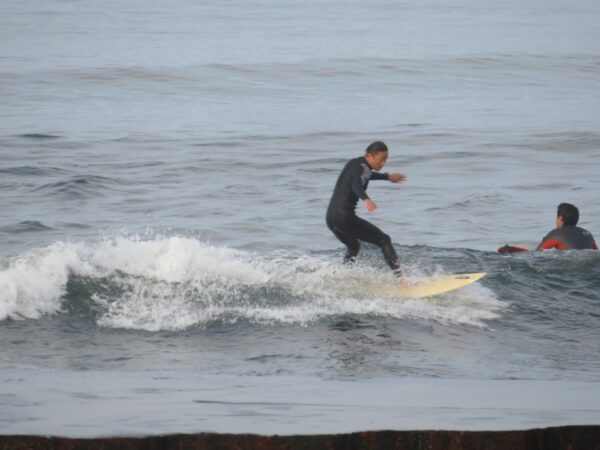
{"x": 431, "y": 286}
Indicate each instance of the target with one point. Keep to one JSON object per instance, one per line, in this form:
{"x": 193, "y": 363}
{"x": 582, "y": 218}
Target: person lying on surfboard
{"x": 350, "y": 187}
{"x": 566, "y": 236}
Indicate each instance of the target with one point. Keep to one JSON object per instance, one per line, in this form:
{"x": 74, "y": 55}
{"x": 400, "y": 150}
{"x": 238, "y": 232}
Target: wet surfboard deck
{"x": 431, "y": 286}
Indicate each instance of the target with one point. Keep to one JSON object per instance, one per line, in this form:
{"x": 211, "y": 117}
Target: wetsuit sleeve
{"x": 380, "y": 176}
{"x": 550, "y": 241}
{"x": 357, "y": 187}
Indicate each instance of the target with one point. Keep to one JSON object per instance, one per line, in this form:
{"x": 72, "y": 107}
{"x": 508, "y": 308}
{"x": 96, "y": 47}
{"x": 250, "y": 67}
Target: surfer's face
{"x": 377, "y": 160}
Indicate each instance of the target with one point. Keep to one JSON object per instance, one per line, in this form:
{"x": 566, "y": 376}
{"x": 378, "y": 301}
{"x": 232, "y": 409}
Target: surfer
{"x": 352, "y": 186}
{"x": 567, "y": 235}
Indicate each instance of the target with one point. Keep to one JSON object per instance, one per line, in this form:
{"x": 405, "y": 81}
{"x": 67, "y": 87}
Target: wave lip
{"x": 34, "y": 283}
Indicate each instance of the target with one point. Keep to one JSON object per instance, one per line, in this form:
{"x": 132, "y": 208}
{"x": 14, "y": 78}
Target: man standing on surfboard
{"x": 350, "y": 187}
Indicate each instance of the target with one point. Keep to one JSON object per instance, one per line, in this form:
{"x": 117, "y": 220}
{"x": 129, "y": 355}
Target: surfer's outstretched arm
{"x": 397, "y": 177}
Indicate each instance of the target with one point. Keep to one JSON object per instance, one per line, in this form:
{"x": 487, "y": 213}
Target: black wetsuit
{"x": 568, "y": 237}
{"x": 341, "y": 214}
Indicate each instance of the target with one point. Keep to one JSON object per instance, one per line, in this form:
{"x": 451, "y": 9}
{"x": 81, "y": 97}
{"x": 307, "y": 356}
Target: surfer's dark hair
{"x": 569, "y": 213}
{"x": 376, "y": 147}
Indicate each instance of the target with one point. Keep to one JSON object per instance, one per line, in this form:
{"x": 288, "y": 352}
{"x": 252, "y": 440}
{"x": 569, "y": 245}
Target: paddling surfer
{"x": 567, "y": 235}
{"x": 351, "y": 187}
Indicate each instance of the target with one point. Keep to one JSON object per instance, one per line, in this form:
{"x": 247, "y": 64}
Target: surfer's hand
{"x": 370, "y": 205}
{"x": 397, "y": 177}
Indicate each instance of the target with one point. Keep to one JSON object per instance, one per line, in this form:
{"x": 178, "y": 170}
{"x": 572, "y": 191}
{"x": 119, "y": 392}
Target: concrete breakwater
{"x": 554, "y": 438}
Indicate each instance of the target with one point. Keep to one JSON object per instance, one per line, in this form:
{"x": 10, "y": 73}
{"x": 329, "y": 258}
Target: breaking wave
{"x": 174, "y": 282}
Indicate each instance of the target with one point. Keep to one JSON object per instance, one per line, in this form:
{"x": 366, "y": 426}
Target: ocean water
{"x": 165, "y": 168}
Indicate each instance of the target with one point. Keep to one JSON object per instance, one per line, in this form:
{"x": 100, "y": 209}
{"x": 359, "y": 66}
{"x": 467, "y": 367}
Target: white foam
{"x": 33, "y": 283}
{"x": 174, "y": 282}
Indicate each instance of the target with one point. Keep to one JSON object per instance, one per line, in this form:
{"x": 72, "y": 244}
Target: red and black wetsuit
{"x": 341, "y": 214}
{"x": 568, "y": 237}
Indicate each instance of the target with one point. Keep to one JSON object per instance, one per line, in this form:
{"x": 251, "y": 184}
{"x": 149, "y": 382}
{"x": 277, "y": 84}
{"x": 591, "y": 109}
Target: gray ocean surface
{"x": 165, "y": 168}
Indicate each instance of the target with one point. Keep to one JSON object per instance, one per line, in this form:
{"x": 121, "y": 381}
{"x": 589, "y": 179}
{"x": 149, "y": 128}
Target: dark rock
{"x": 556, "y": 438}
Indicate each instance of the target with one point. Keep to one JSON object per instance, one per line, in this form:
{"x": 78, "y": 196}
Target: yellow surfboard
{"x": 428, "y": 287}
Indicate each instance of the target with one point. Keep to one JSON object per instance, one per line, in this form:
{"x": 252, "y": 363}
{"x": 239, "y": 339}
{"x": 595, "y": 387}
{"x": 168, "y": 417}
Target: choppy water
{"x": 164, "y": 174}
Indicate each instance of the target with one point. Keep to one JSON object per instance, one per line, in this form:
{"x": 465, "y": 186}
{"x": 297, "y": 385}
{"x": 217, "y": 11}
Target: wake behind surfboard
{"x": 431, "y": 286}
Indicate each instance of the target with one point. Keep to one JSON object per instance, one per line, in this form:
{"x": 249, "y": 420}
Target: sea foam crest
{"x": 33, "y": 283}
{"x": 173, "y": 282}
